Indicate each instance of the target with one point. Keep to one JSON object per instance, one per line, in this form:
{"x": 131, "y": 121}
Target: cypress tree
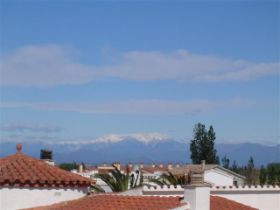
{"x": 202, "y": 146}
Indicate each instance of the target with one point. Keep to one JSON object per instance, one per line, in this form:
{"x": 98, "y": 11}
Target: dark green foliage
{"x": 168, "y": 179}
{"x": 202, "y": 145}
{"x": 117, "y": 180}
{"x": 225, "y": 162}
{"x": 263, "y": 175}
{"x": 96, "y": 188}
{"x": 250, "y": 171}
{"x": 273, "y": 173}
{"x": 68, "y": 166}
{"x": 234, "y": 167}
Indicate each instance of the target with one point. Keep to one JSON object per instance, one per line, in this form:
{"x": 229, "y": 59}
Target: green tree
{"x": 68, "y": 166}
{"x": 117, "y": 180}
{"x": 202, "y": 146}
{"x": 225, "y": 162}
{"x": 168, "y": 179}
{"x": 273, "y": 173}
{"x": 250, "y": 171}
{"x": 263, "y": 175}
{"x": 234, "y": 167}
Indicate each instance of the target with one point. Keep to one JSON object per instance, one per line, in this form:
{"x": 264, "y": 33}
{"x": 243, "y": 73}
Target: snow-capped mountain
{"x": 148, "y": 148}
{"x": 141, "y": 137}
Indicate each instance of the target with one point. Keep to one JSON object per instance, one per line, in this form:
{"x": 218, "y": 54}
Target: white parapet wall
{"x": 165, "y": 190}
{"x": 260, "y": 197}
{"x": 12, "y": 198}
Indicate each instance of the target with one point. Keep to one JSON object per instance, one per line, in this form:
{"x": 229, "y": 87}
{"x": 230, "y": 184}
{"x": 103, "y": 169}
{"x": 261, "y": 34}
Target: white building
{"x": 223, "y": 177}
{"x": 195, "y": 196}
{"x": 265, "y": 197}
{"x": 28, "y": 182}
{"x": 259, "y": 197}
{"x": 213, "y": 174}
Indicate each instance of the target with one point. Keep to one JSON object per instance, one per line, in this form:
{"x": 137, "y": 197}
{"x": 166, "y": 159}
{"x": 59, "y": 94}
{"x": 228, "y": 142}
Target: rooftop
{"x": 197, "y": 168}
{"x": 120, "y": 202}
{"x": 20, "y": 170}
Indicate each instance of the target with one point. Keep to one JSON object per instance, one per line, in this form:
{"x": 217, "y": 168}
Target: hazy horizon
{"x": 82, "y": 70}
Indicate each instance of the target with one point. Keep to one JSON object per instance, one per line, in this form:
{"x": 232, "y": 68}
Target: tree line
{"x": 202, "y": 147}
{"x": 269, "y": 174}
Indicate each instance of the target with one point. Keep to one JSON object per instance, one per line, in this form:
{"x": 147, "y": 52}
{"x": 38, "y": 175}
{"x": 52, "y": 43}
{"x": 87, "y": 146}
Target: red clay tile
{"x": 22, "y": 170}
{"x": 219, "y": 203}
{"x": 116, "y": 202}
{"x": 121, "y": 202}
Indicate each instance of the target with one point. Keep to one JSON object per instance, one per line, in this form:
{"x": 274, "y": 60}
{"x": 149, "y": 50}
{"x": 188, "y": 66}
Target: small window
{"x": 235, "y": 183}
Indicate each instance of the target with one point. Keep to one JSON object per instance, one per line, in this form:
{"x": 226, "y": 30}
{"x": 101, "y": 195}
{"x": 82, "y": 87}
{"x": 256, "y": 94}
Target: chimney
{"x": 170, "y": 166}
{"x": 81, "y": 168}
{"x": 153, "y": 165}
{"x": 161, "y": 165}
{"x": 46, "y": 155}
{"x": 130, "y": 165}
{"x": 141, "y": 165}
{"x": 197, "y": 193}
{"x": 19, "y": 147}
{"x": 203, "y": 165}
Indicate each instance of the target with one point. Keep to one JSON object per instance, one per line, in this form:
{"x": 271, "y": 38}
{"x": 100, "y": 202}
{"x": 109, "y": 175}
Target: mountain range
{"x": 136, "y": 150}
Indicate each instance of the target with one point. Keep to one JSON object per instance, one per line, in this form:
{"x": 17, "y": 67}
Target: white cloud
{"x": 51, "y": 65}
{"x": 46, "y": 65}
{"x": 108, "y": 138}
{"x": 163, "y": 107}
{"x": 21, "y": 127}
{"x": 27, "y": 138}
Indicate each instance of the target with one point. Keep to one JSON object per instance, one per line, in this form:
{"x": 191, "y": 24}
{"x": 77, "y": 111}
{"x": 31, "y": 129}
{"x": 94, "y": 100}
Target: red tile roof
{"x": 116, "y": 202}
{"x": 23, "y": 171}
{"x": 196, "y": 168}
{"x": 151, "y": 169}
{"x": 121, "y": 202}
{"x": 219, "y": 203}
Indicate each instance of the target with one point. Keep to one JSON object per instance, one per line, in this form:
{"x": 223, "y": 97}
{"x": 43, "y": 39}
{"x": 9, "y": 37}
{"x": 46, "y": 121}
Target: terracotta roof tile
{"x": 192, "y": 168}
{"x": 219, "y": 203}
{"x": 150, "y": 169}
{"x": 22, "y": 170}
{"x": 120, "y": 202}
{"x": 116, "y": 202}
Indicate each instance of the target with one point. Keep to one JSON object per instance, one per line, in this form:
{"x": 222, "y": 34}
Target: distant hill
{"x": 135, "y": 150}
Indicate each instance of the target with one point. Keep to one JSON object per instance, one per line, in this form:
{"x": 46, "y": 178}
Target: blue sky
{"x": 82, "y": 69}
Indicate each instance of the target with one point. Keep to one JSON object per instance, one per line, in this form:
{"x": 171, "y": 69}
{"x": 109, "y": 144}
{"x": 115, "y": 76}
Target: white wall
{"x": 218, "y": 177}
{"x": 87, "y": 174}
{"x": 263, "y": 198}
{"x": 198, "y": 197}
{"x": 260, "y": 197}
{"x": 17, "y": 198}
